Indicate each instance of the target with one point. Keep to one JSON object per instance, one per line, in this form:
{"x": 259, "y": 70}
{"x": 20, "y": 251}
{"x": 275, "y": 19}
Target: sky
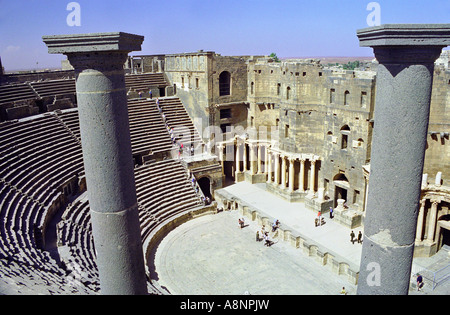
{"x": 289, "y": 28}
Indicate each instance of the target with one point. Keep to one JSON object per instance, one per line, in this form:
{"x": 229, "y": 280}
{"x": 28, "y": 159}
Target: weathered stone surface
{"x": 105, "y": 135}
{"x": 404, "y": 82}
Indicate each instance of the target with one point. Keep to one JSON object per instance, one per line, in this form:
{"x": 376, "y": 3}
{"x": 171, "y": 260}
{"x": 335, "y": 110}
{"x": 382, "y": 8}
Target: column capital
{"x": 412, "y": 35}
{"x": 99, "y": 51}
{"x": 434, "y": 202}
{"x": 408, "y": 43}
{"x": 93, "y": 43}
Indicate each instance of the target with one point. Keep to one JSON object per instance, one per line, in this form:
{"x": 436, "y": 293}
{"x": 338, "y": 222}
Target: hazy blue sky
{"x": 290, "y": 28}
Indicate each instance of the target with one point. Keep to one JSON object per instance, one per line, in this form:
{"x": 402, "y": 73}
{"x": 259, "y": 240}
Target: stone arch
{"x": 345, "y": 132}
{"x": 341, "y": 187}
{"x": 225, "y": 83}
{"x": 346, "y": 97}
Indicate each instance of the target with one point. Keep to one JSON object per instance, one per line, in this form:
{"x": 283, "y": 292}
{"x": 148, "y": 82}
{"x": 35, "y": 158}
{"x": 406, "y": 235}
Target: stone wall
{"x": 314, "y": 109}
{"x": 190, "y": 75}
{"x": 438, "y": 149}
{"x": 197, "y": 81}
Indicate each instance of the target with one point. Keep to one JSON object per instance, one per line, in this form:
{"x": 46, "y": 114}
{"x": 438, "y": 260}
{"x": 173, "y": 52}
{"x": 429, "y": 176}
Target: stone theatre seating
{"x": 163, "y": 190}
{"x": 147, "y": 130}
{"x": 16, "y": 92}
{"x": 54, "y": 87}
{"x": 39, "y": 157}
{"x": 142, "y": 82}
{"x": 177, "y": 117}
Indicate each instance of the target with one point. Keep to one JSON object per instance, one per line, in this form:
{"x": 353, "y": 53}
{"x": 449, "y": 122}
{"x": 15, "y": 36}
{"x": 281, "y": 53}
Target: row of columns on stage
{"x": 432, "y": 222}
{"x": 283, "y": 175}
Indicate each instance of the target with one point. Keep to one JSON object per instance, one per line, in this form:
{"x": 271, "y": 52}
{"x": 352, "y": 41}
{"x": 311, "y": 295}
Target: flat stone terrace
{"x": 211, "y": 255}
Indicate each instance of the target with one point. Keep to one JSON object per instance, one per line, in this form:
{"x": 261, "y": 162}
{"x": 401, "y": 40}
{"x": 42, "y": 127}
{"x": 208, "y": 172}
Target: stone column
{"x": 238, "y": 162}
{"x": 277, "y": 168}
{"x": 221, "y": 157}
{"x": 245, "y": 157}
{"x": 283, "y": 171}
{"x": 432, "y": 222}
{"x": 301, "y": 176}
{"x": 98, "y": 60}
{"x": 269, "y": 166}
{"x": 291, "y": 175}
{"x": 259, "y": 151}
{"x": 406, "y": 55}
{"x": 420, "y": 221}
{"x": 313, "y": 177}
{"x": 252, "y": 158}
{"x": 266, "y": 159}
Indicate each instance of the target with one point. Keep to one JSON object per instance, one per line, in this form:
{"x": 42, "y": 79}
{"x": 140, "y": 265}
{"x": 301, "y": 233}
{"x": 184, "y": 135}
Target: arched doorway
{"x": 444, "y": 231}
{"x": 341, "y": 187}
{"x": 225, "y": 83}
{"x": 205, "y": 186}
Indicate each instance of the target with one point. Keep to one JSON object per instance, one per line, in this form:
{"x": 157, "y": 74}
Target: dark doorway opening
{"x": 339, "y": 193}
{"x": 205, "y": 186}
{"x": 225, "y": 83}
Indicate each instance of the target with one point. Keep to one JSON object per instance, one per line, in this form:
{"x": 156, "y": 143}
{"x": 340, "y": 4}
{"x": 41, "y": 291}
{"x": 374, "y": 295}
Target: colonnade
{"x": 427, "y": 230}
{"x": 278, "y": 167}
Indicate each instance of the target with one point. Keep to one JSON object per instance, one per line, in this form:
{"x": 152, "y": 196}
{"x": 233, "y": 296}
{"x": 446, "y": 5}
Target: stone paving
{"x": 332, "y": 235}
{"x": 211, "y": 255}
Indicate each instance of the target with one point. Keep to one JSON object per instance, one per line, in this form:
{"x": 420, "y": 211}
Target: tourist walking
{"x": 419, "y": 282}
{"x": 352, "y": 237}
{"x": 359, "y": 237}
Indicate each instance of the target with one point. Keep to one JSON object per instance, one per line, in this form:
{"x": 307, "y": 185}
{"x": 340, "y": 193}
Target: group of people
{"x": 319, "y": 220}
{"x": 353, "y": 239}
{"x": 206, "y": 199}
{"x": 150, "y": 95}
{"x": 262, "y": 235}
{"x": 171, "y": 132}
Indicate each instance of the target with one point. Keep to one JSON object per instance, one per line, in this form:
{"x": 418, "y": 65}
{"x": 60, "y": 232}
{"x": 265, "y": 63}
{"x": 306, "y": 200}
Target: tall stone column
{"x": 277, "y": 168}
{"x": 253, "y": 151}
{"x": 245, "y": 157}
{"x": 269, "y": 166}
{"x": 220, "y": 147}
{"x": 98, "y": 60}
{"x": 259, "y": 150}
{"x": 283, "y": 171}
{"x": 238, "y": 162}
{"x": 432, "y": 222}
{"x": 420, "y": 221}
{"x": 301, "y": 176}
{"x": 291, "y": 174}
{"x": 313, "y": 177}
{"x": 406, "y": 55}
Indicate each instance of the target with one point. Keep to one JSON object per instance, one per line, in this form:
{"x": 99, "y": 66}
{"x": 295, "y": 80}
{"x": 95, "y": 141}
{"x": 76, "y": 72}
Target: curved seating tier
{"x": 54, "y": 87}
{"x": 147, "y": 129}
{"x": 16, "y": 92}
{"x": 41, "y": 155}
{"x": 38, "y": 156}
{"x": 145, "y": 81}
{"x": 163, "y": 190}
{"x": 178, "y": 118}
